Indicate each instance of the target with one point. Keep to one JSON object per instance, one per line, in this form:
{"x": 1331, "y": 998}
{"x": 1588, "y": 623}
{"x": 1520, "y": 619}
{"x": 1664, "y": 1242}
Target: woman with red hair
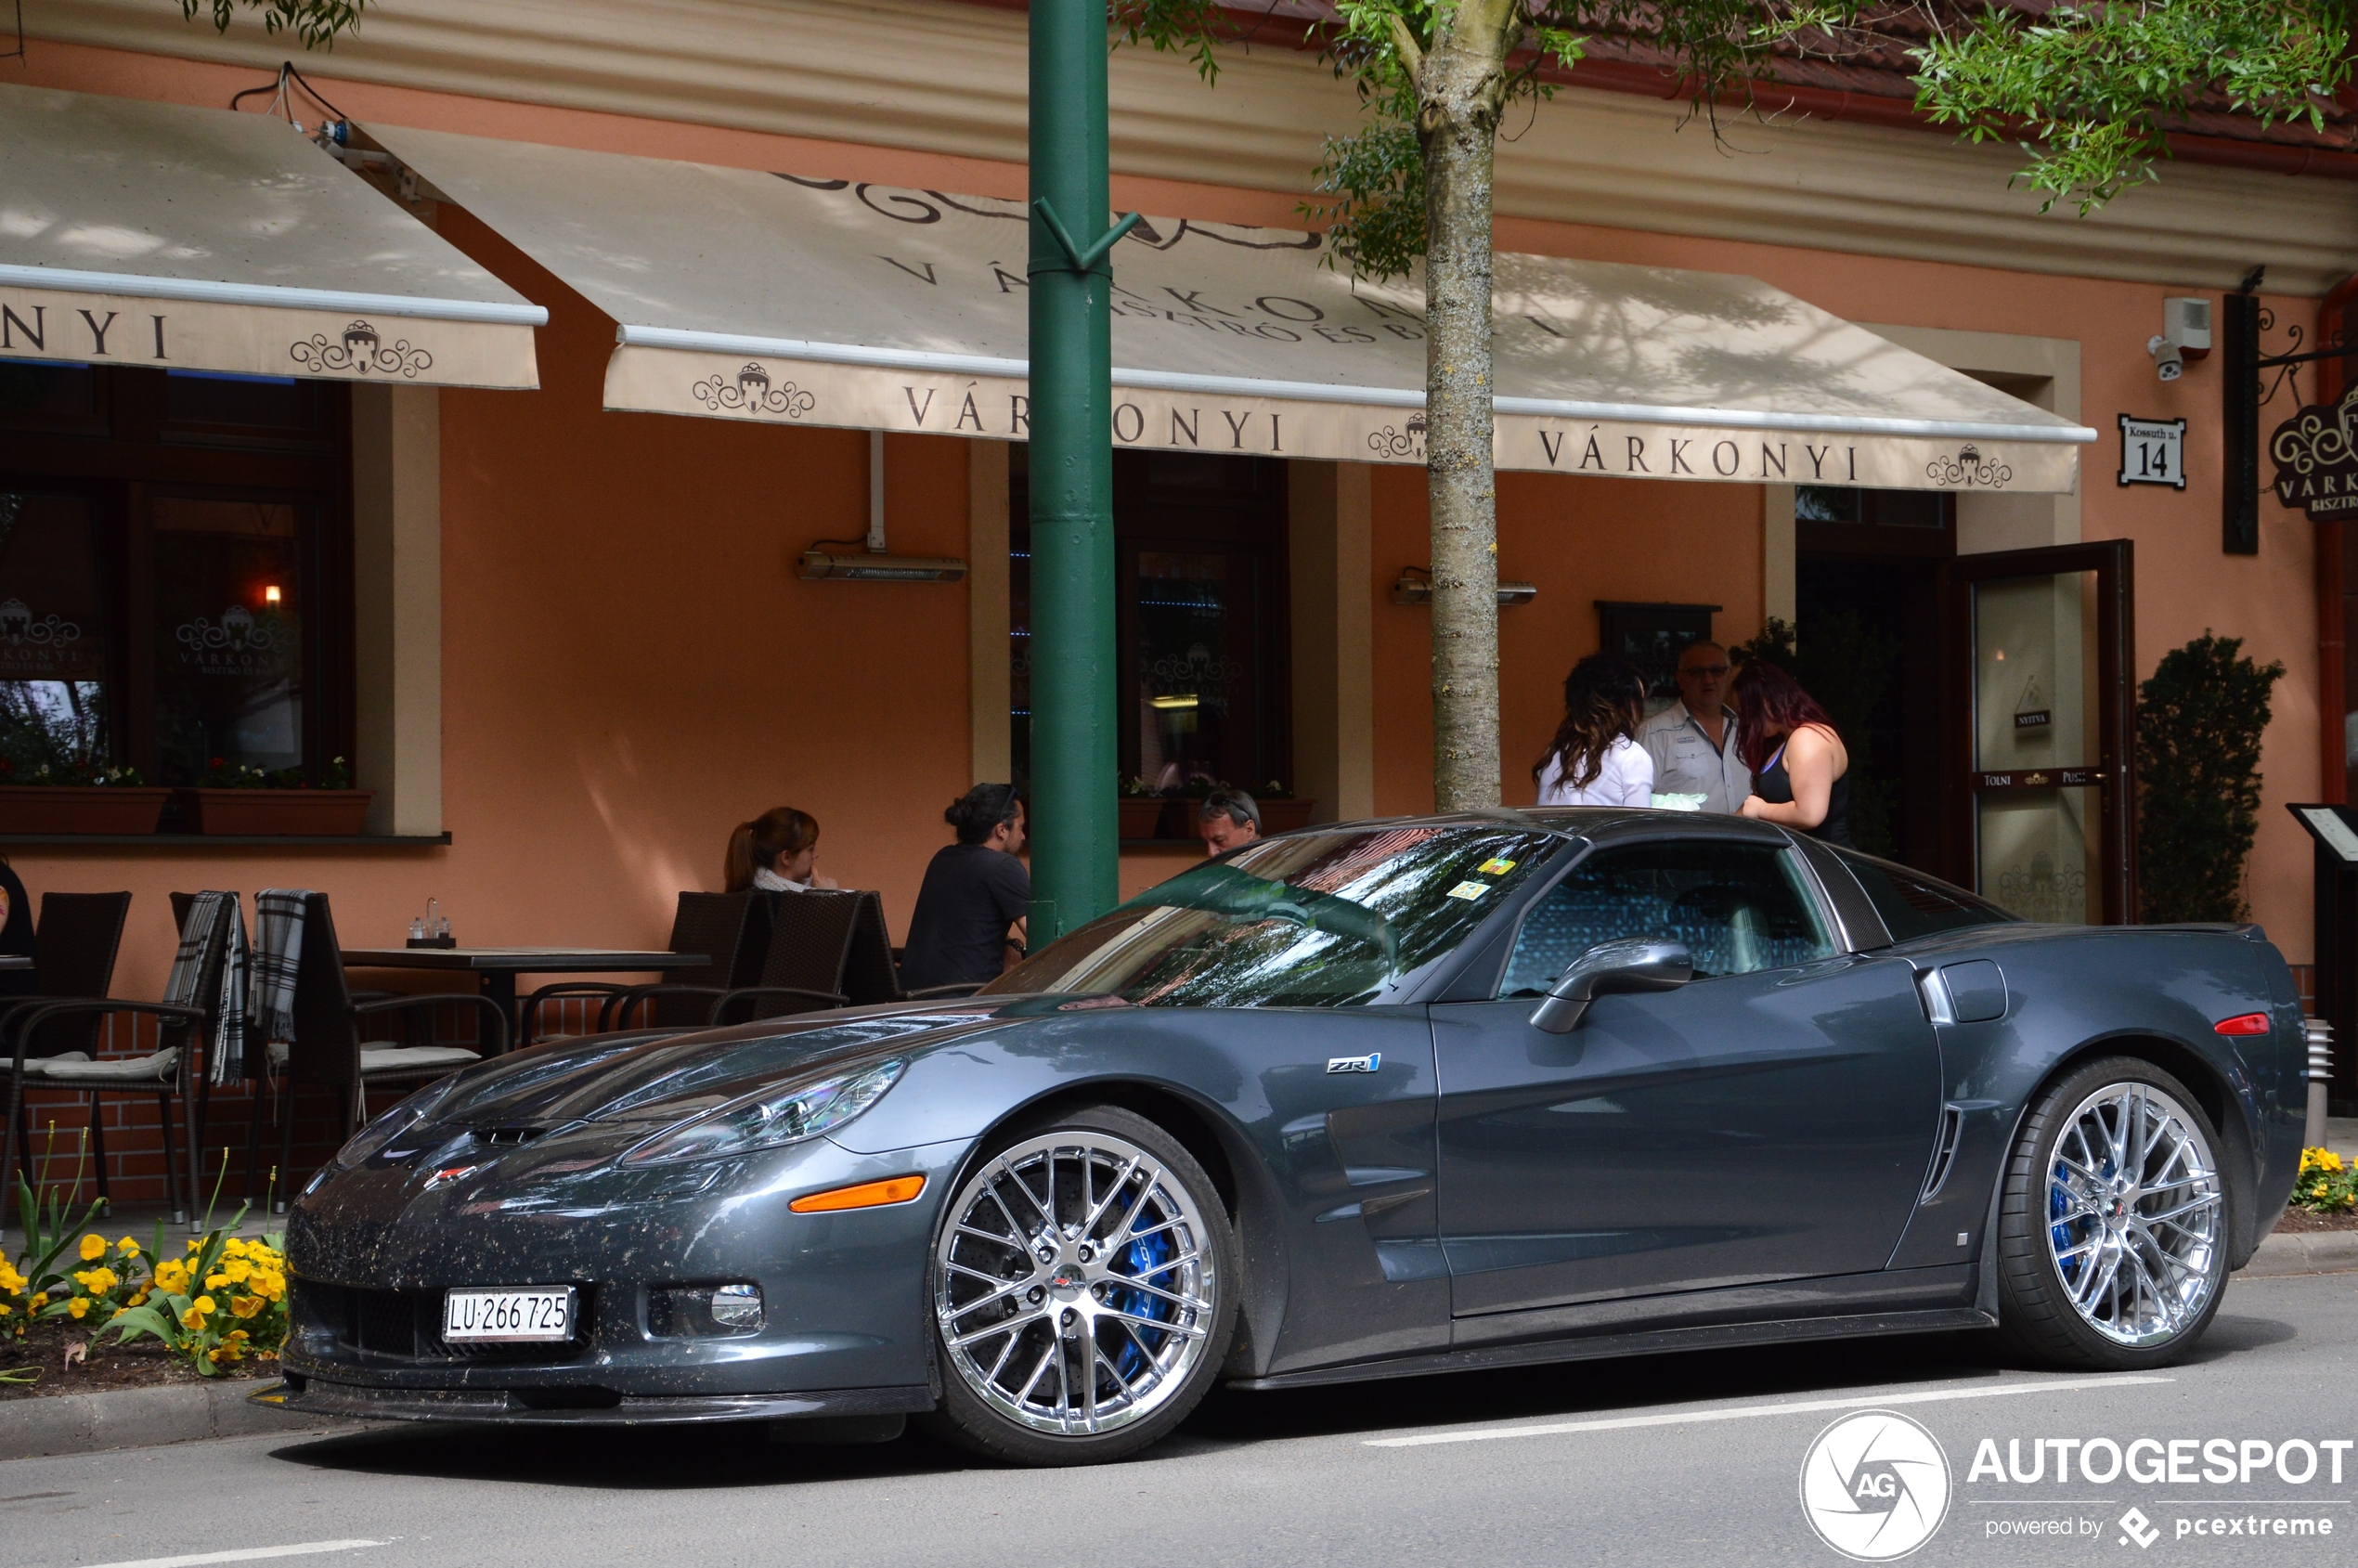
{"x": 1798, "y": 762}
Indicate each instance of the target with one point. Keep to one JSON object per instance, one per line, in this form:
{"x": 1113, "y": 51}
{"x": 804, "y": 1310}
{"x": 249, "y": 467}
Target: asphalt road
{"x": 1685, "y": 1459}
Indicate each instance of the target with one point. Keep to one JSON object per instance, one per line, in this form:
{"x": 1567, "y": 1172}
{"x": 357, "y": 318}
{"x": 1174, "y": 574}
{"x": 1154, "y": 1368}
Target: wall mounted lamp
{"x": 1415, "y": 587}
{"x": 872, "y": 562}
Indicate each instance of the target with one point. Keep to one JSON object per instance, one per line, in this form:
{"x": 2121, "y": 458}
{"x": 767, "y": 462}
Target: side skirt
{"x": 1651, "y": 1342}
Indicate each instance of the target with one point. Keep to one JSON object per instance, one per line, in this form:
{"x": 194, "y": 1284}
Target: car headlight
{"x": 770, "y": 1117}
{"x": 372, "y": 1138}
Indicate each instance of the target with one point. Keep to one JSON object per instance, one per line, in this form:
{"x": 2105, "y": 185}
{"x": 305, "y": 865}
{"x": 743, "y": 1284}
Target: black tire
{"x": 2040, "y": 1315}
{"x": 1096, "y": 1291}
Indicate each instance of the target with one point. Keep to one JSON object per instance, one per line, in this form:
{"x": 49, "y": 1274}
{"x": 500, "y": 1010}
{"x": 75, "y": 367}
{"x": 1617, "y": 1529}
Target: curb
{"x": 139, "y": 1418}
{"x": 2327, "y": 1251}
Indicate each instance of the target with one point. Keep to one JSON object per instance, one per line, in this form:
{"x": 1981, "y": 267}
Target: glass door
{"x": 2044, "y": 824}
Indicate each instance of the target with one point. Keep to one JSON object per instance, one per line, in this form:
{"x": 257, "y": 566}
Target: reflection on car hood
{"x": 643, "y": 1081}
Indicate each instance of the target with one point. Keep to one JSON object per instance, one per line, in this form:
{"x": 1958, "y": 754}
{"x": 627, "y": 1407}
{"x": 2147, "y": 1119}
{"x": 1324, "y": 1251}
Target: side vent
{"x": 1944, "y": 1152}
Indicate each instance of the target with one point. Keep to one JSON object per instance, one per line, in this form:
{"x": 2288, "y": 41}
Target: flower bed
{"x": 2325, "y": 1196}
{"x": 202, "y": 1312}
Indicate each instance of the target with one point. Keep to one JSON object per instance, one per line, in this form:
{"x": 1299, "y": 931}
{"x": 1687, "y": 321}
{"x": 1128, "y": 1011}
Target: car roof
{"x": 1583, "y": 822}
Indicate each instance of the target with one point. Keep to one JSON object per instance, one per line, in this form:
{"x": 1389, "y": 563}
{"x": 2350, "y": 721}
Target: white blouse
{"x": 1625, "y": 778}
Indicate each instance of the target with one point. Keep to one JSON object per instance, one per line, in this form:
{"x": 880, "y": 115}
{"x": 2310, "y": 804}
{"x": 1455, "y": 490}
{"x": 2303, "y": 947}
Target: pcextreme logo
{"x": 1874, "y": 1485}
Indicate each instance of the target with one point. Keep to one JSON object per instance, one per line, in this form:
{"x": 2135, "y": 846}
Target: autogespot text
{"x": 2038, "y": 1464}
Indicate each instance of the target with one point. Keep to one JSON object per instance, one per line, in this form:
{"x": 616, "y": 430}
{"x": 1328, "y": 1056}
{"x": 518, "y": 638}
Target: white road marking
{"x": 247, "y": 1554}
{"x": 1745, "y": 1412}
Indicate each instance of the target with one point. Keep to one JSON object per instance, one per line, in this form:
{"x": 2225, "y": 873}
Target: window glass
{"x": 1188, "y": 674}
{"x": 53, "y": 643}
{"x": 1913, "y": 905}
{"x": 1737, "y": 907}
{"x": 217, "y": 397}
{"x": 35, "y": 393}
{"x": 227, "y": 636}
{"x": 1313, "y": 920}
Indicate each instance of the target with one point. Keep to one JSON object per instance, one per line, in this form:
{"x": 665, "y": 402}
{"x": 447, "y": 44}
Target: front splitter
{"x": 582, "y": 1407}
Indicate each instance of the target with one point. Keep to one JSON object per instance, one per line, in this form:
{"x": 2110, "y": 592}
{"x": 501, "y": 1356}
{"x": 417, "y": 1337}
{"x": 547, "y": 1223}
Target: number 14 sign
{"x": 2153, "y": 452}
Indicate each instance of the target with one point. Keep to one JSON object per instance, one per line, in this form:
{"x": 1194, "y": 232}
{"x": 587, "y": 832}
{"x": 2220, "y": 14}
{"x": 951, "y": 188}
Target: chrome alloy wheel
{"x": 2136, "y": 1213}
{"x": 1074, "y": 1283}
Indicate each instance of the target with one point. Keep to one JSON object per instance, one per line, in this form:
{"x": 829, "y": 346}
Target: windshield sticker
{"x": 1494, "y": 868}
{"x": 1468, "y": 891}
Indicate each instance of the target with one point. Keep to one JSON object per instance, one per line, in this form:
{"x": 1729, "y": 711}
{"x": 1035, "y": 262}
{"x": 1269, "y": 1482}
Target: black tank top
{"x": 1772, "y": 785}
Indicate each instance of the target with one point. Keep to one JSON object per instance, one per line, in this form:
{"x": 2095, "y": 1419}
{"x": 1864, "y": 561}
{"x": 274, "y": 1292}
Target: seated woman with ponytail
{"x": 775, "y": 854}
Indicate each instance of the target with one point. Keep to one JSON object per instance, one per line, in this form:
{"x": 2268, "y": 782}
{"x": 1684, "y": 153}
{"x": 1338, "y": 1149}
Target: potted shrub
{"x": 240, "y": 799}
{"x": 1280, "y": 812}
{"x": 78, "y": 797}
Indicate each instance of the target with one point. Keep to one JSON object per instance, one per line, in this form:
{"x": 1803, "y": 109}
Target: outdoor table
{"x": 496, "y": 967}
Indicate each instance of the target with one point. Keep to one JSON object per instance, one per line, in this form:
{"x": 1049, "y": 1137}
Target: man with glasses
{"x": 1694, "y": 740}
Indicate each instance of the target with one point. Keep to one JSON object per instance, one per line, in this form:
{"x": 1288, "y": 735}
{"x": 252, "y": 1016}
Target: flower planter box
{"x": 1284, "y": 816}
{"x": 1141, "y": 814}
{"x": 80, "y": 809}
{"x": 312, "y": 813}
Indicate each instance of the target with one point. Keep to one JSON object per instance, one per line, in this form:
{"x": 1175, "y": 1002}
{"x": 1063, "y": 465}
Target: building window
{"x": 1201, "y": 660}
{"x": 175, "y": 572}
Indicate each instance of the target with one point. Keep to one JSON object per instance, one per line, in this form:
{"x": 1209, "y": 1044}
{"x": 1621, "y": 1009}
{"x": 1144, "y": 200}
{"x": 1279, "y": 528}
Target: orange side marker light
{"x": 867, "y": 1194}
{"x": 2244, "y": 1023}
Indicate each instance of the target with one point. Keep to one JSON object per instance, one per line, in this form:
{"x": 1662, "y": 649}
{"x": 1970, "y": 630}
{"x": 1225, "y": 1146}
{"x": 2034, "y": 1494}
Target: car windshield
{"x": 1337, "y": 919}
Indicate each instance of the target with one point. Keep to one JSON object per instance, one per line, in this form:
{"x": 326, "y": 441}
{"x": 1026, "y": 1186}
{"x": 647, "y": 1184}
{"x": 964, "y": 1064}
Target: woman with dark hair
{"x": 1798, "y": 762}
{"x": 969, "y": 925}
{"x": 1595, "y": 758}
{"x": 773, "y": 853}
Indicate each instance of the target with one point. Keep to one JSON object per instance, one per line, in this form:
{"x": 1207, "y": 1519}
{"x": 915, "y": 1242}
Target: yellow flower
{"x": 196, "y": 1246}
{"x": 246, "y": 1306}
{"x": 233, "y": 1248}
{"x": 93, "y": 1247}
{"x": 98, "y": 1282}
{"x": 141, "y": 1297}
{"x": 128, "y": 1246}
{"x": 236, "y": 1273}
{"x": 79, "y": 1305}
{"x": 39, "y": 1301}
{"x": 203, "y": 1305}
{"x": 192, "y": 1318}
{"x": 6, "y": 1311}
{"x": 215, "y": 1281}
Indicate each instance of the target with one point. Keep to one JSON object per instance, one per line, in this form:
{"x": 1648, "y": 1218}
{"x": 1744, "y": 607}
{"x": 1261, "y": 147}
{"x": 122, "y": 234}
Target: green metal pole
{"x": 1075, "y": 867}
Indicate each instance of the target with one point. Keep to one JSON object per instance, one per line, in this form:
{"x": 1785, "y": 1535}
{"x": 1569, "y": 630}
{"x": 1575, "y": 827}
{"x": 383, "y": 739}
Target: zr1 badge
{"x": 1367, "y": 1063}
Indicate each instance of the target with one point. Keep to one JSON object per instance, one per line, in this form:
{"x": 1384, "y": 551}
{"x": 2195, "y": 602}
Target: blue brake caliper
{"x": 1141, "y": 1260}
{"x": 2059, "y": 1231}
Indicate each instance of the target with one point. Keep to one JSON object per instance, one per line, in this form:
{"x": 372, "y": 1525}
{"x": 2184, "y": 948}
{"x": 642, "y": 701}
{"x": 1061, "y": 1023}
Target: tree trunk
{"x": 1460, "y": 87}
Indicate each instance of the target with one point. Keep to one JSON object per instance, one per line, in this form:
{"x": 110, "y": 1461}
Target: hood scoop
{"x": 505, "y": 1136}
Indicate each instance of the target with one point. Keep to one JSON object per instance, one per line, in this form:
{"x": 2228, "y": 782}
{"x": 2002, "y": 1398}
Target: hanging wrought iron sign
{"x": 2317, "y": 459}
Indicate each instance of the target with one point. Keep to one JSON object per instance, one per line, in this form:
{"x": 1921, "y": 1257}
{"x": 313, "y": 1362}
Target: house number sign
{"x": 2153, "y": 451}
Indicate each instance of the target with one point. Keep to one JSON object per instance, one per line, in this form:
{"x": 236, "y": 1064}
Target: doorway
{"x": 1867, "y": 606}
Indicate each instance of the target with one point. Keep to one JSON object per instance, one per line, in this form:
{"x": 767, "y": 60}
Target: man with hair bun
{"x": 968, "y": 927}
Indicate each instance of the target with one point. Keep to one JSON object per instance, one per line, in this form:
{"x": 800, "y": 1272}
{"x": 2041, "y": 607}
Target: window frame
{"x": 131, "y": 453}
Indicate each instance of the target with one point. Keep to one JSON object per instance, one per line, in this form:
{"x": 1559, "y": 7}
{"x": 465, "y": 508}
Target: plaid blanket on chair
{"x": 277, "y": 954}
{"x": 226, "y": 1060}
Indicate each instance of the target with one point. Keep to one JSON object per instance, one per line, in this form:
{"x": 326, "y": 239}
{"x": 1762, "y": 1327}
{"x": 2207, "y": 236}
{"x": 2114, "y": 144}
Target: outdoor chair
{"x": 175, "y": 1071}
{"x": 327, "y": 1049}
{"x": 871, "y": 969}
{"x": 730, "y": 929}
{"x": 801, "y": 970}
{"x": 75, "y": 941}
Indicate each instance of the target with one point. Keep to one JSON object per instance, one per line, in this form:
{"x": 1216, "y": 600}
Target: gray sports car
{"x": 1364, "y": 1101}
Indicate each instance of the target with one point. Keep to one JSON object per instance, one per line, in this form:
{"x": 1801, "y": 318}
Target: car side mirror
{"x": 1629, "y": 963}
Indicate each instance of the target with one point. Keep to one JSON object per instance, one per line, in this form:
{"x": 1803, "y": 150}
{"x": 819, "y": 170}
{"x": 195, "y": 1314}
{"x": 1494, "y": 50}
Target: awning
{"x": 755, "y": 296}
{"x": 156, "y": 235}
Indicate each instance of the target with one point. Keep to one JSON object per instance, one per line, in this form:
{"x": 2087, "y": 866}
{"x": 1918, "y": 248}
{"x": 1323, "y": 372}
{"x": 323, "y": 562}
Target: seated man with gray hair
{"x": 1227, "y": 819}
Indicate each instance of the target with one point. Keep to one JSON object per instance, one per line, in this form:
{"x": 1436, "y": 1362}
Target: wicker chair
{"x": 871, "y": 972}
{"x": 327, "y": 1051}
{"x": 74, "y": 946}
{"x": 801, "y": 970}
{"x": 730, "y": 929}
{"x": 172, "y": 1071}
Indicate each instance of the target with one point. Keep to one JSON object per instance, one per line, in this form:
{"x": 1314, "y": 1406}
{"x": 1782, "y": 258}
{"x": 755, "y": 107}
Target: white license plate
{"x": 530, "y": 1312}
